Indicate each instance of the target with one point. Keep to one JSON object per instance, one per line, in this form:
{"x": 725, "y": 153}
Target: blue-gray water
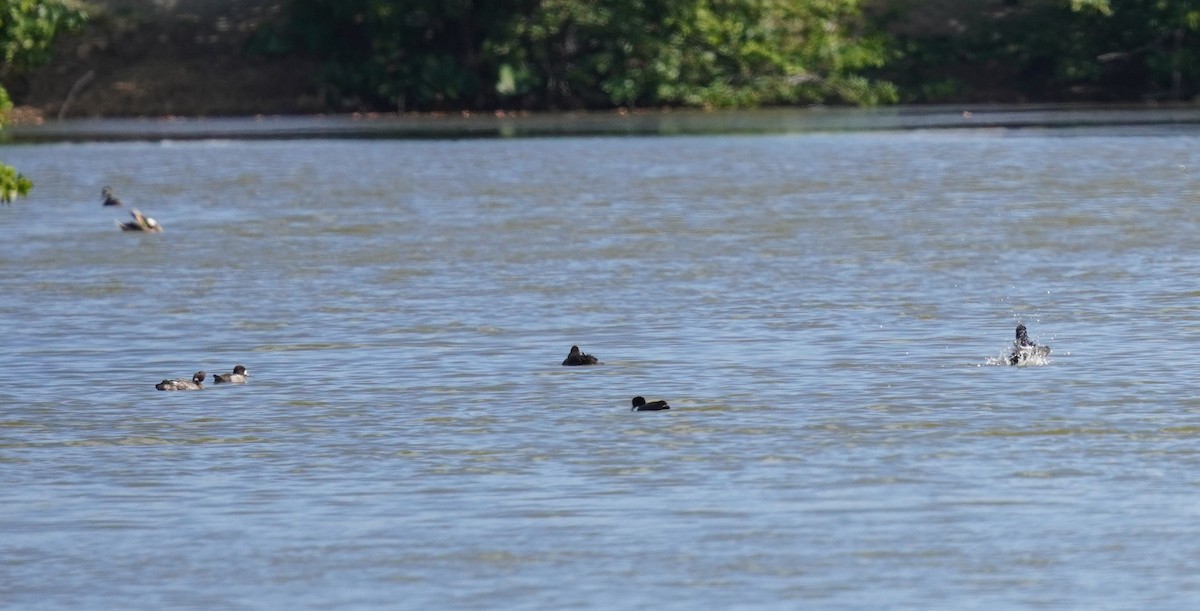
{"x": 820, "y": 309}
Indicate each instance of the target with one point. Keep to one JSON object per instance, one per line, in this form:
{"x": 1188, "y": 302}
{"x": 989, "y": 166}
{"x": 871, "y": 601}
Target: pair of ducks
{"x": 140, "y": 221}
{"x": 576, "y": 358}
{"x": 238, "y": 376}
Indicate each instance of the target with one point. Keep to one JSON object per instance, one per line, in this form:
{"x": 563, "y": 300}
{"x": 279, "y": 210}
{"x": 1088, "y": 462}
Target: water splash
{"x": 1027, "y": 356}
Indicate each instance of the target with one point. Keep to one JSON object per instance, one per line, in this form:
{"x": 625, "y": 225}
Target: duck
{"x": 196, "y": 383}
{"x": 640, "y": 405}
{"x": 109, "y": 198}
{"x": 140, "y": 222}
{"x": 238, "y": 376}
{"x": 1023, "y": 347}
{"x": 575, "y": 357}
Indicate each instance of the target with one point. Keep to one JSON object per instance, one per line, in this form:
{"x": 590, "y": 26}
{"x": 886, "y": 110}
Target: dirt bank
{"x": 171, "y": 57}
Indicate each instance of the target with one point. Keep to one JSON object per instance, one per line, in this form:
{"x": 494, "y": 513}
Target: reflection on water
{"x": 816, "y": 308}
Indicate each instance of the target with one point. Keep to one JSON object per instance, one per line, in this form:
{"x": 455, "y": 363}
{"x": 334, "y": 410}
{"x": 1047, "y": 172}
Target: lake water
{"x": 821, "y": 309}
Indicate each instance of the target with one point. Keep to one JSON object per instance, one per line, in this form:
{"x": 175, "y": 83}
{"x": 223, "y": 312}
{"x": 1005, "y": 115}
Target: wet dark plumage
{"x": 575, "y": 357}
{"x": 640, "y": 405}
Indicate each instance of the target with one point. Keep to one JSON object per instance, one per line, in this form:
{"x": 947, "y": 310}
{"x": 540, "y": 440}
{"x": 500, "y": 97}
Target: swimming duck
{"x": 196, "y": 383}
{"x": 575, "y": 357}
{"x": 640, "y": 405}
{"x": 1024, "y": 348}
{"x": 238, "y": 376}
{"x": 140, "y": 222}
{"x": 109, "y": 198}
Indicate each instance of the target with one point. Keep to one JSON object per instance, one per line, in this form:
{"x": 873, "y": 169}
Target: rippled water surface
{"x": 820, "y": 309}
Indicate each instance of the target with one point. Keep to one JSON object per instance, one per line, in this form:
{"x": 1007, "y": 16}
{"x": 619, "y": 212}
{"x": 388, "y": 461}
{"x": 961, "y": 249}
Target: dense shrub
{"x": 432, "y": 54}
{"x": 27, "y": 28}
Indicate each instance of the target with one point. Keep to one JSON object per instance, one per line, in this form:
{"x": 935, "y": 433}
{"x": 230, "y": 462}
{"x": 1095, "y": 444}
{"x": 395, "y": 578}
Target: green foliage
{"x": 12, "y": 184}
{"x": 27, "y": 29}
{"x": 431, "y": 54}
{"x": 1045, "y": 50}
{"x": 397, "y": 53}
{"x": 1104, "y": 7}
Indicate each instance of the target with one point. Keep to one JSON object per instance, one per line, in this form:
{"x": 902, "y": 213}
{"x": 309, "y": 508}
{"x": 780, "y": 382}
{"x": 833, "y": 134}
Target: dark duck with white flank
{"x": 1024, "y": 348}
{"x": 238, "y": 376}
{"x": 640, "y": 405}
{"x": 575, "y": 357}
{"x": 196, "y": 383}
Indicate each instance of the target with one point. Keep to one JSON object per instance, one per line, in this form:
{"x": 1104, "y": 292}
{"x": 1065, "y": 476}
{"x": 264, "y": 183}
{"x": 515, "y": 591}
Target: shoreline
{"x": 503, "y": 123}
